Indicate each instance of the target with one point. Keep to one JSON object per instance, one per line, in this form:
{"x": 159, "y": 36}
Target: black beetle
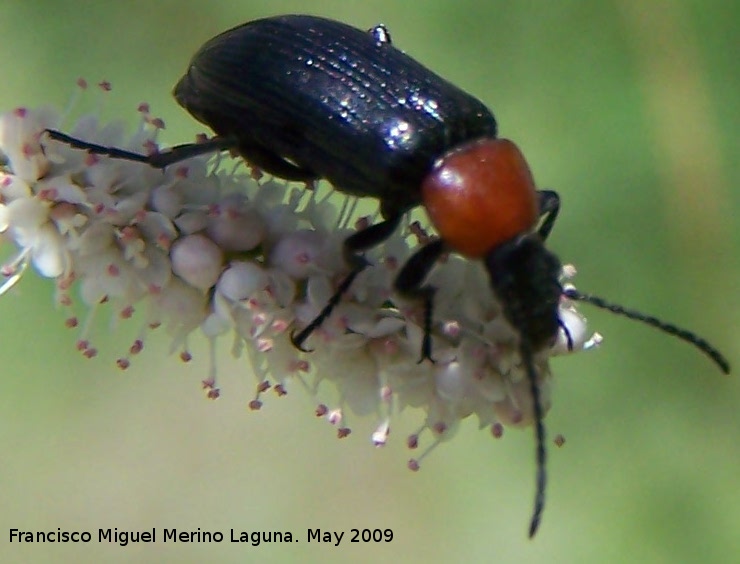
{"x": 304, "y": 98}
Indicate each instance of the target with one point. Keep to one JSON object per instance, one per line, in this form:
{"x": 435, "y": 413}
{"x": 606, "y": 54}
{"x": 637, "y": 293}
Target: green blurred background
{"x": 628, "y": 108}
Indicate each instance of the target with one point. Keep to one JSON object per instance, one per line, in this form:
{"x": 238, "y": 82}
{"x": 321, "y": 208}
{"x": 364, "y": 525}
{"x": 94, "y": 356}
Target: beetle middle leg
{"x": 353, "y": 246}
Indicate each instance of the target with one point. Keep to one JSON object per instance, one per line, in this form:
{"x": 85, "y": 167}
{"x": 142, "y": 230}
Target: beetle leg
{"x": 157, "y": 160}
{"x": 410, "y": 283}
{"x": 353, "y": 245}
{"x": 255, "y": 155}
{"x": 568, "y": 336}
{"x": 549, "y": 203}
{"x": 188, "y": 150}
{"x": 549, "y": 207}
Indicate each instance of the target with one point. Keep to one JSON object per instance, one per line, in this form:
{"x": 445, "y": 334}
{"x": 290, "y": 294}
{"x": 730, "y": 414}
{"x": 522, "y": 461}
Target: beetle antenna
{"x": 669, "y": 328}
{"x": 539, "y": 428}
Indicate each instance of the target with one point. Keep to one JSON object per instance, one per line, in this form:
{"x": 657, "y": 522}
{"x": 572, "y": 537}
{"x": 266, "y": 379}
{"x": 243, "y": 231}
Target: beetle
{"x": 307, "y": 98}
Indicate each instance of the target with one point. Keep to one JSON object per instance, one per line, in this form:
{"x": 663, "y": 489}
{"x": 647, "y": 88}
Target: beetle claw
{"x": 426, "y": 356}
{"x": 297, "y": 341}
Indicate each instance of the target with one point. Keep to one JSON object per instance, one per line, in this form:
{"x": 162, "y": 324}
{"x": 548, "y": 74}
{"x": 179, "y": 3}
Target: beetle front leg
{"x": 549, "y": 203}
{"x": 410, "y": 283}
{"x": 353, "y": 246}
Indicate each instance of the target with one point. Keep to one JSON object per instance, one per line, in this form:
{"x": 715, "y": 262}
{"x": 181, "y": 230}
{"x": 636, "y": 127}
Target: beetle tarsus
{"x": 96, "y": 149}
{"x": 426, "y": 343}
{"x": 549, "y": 204}
{"x": 568, "y": 336}
{"x": 157, "y": 160}
{"x": 305, "y": 333}
{"x": 410, "y": 283}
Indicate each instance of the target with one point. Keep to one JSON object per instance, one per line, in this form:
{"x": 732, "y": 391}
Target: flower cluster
{"x": 232, "y": 253}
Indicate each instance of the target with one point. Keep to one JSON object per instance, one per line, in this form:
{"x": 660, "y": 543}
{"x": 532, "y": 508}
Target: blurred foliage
{"x": 629, "y": 109}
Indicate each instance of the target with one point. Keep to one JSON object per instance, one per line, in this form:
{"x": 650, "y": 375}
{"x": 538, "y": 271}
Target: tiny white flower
{"x": 234, "y": 226}
{"x": 197, "y": 260}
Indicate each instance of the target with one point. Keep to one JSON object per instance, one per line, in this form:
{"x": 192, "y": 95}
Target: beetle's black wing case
{"x": 332, "y": 100}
